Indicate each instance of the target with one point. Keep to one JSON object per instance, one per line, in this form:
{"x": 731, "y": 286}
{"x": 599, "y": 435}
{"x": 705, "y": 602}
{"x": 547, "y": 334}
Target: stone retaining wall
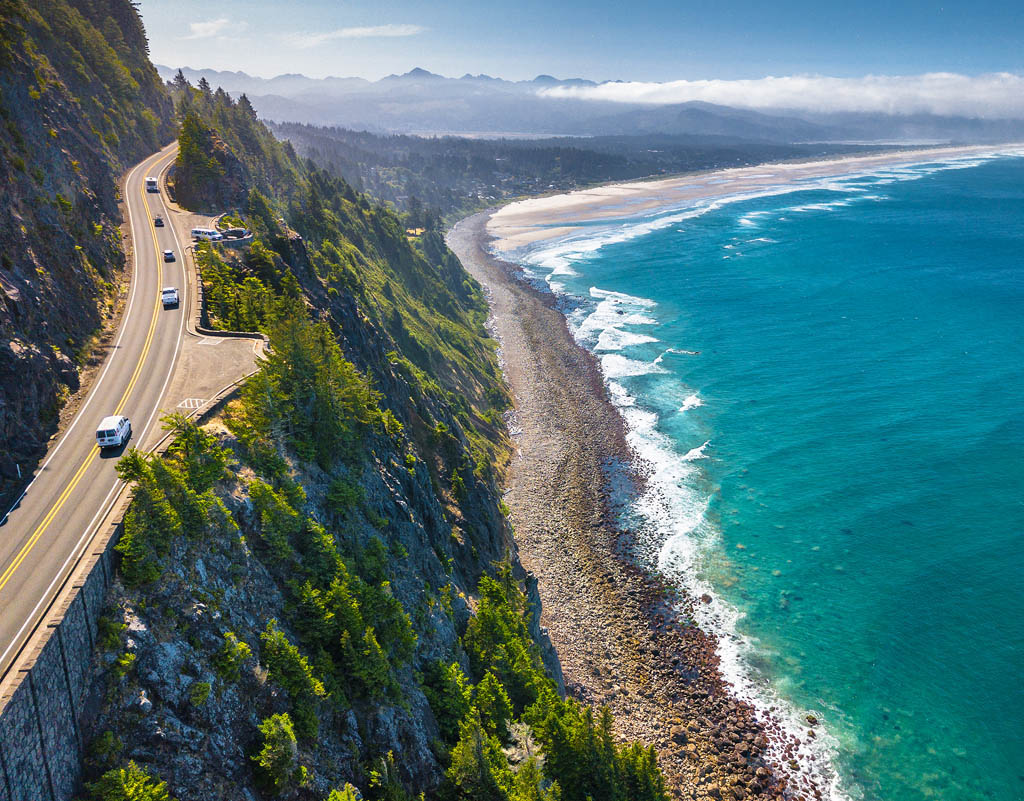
{"x": 41, "y": 702}
{"x": 40, "y": 744}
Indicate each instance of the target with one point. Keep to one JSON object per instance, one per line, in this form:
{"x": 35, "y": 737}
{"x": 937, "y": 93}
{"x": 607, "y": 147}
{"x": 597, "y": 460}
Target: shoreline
{"x": 538, "y": 219}
{"x": 622, "y": 634}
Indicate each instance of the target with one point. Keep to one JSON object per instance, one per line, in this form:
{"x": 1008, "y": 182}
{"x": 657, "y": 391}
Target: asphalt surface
{"x": 76, "y": 483}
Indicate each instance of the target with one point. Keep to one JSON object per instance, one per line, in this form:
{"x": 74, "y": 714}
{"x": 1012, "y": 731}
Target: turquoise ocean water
{"x": 825, "y": 385}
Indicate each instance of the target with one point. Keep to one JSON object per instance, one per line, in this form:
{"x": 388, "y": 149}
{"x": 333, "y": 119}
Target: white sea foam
{"x": 694, "y": 454}
{"x": 750, "y": 219}
{"x": 615, "y": 365}
{"x": 604, "y": 327}
{"x": 676, "y": 538}
{"x": 612, "y": 339}
{"x": 667, "y": 351}
{"x": 691, "y": 402}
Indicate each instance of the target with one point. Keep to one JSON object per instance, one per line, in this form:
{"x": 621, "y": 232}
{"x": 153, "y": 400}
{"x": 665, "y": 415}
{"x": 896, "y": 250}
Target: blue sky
{"x": 640, "y": 41}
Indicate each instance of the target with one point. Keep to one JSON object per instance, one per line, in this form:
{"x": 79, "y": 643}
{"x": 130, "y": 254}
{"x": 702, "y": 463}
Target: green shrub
{"x": 109, "y": 633}
{"x": 479, "y": 770}
{"x": 199, "y": 692}
{"x": 278, "y": 521}
{"x": 130, "y": 783}
{"x": 124, "y": 664}
{"x": 385, "y": 783}
{"x": 344, "y": 495}
{"x": 232, "y": 655}
{"x": 450, "y": 695}
{"x": 346, "y": 793}
{"x": 492, "y": 706}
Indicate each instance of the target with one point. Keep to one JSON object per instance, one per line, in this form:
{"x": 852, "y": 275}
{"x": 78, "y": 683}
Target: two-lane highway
{"x": 72, "y": 490}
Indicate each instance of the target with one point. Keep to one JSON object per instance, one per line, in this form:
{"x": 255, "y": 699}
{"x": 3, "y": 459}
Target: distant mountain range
{"x": 423, "y": 102}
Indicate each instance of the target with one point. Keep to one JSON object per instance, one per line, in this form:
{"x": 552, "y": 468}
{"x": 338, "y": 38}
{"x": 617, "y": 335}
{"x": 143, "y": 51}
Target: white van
{"x": 151, "y": 185}
{"x": 207, "y": 233}
{"x": 113, "y": 431}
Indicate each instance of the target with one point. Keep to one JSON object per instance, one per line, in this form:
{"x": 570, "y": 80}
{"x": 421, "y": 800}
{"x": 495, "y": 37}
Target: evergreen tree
{"x": 479, "y": 770}
{"x": 131, "y": 783}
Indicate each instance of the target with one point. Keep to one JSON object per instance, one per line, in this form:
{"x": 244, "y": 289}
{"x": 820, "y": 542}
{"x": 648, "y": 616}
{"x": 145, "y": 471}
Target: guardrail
{"x": 42, "y": 695}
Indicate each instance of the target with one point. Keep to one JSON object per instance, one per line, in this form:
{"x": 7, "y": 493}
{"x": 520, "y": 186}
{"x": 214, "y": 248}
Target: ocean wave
{"x": 750, "y": 219}
{"x": 694, "y": 454}
{"x": 615, "y": 365}
{"x": 613, "y": 339}
{"x": 691, "y": 402}
{"x": 681, "y": 352}
{"x": 602, "y": 327}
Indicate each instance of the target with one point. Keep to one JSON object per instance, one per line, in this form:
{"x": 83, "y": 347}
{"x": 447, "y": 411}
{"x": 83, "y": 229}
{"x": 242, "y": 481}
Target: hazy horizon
{"x": 904, "y": 57}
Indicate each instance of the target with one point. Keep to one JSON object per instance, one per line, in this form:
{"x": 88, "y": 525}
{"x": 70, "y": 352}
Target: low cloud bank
{"x": 208, "y": 28}
{"x": 306, "y": 40}
{"x": 993, "y": 96}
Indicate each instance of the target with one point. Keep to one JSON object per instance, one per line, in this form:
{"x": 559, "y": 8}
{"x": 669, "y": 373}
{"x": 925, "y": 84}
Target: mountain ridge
{"x": 420, "y": 101}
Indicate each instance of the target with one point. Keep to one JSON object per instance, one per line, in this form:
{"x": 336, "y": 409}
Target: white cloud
{"x": 208, "y": 28}
{"x": 997, "y": 95}
{"x": 307, "y": 40}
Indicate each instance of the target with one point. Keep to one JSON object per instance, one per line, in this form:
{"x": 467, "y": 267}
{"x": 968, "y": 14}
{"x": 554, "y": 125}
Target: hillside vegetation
{"x": 79, "y": 102}
{"x": 454, "y": 175}
{"x": 319, "y": 593}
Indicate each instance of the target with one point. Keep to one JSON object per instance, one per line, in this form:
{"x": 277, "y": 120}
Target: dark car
{"x": 158, "y": 221}
{"x": 168, "y": 255}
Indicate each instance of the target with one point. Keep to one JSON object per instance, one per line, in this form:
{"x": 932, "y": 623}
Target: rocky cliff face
{"x": 79, "y": 101}
{"x": 165, "y": 700}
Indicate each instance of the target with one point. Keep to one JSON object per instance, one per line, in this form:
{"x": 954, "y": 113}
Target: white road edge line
{"x": 104, "y": 509}
{"x": 93, "y": 392}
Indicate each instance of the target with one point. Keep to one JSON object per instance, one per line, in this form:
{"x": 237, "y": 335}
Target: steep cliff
{"x": 319, "y": 595}
{"x": 79, "y": 101}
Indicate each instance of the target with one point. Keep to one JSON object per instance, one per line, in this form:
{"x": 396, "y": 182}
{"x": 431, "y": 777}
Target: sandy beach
{"x": 536, "y": 219}
{"x": 622, "y": 636}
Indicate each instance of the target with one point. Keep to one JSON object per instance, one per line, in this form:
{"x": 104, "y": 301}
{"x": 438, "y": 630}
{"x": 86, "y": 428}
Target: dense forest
{"x": 455, "y": 175}
{"x": 320, "y": 596}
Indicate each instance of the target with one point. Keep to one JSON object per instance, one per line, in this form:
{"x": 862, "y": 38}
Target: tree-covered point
{"x": 451, "y": 175}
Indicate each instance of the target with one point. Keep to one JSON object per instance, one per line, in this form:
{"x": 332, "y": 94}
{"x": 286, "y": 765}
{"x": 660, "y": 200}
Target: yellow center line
{"x": 41, "y": 529}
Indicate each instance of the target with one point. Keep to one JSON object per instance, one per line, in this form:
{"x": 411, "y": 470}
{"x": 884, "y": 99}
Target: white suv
{"x": 113, "y": 431}
{"x": 169, "y": 296}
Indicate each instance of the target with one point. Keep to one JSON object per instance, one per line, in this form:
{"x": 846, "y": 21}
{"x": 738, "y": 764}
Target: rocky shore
{"x": 622, "y": 635}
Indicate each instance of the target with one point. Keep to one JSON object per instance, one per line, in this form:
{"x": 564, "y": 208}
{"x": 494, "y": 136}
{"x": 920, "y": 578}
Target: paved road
{"x": 75, "y": 484}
